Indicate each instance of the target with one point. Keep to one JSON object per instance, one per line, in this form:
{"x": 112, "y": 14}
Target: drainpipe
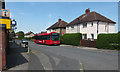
{"x": 77, "y": 29}
{"x": 78, "y": 26}
{"x": 97, "y": 27}
{"x": 108, "y": 27}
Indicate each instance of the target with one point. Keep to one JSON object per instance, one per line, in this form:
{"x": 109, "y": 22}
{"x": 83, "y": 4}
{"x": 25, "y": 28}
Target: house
{"x": 43, "y": 31}
{"x": 16, "y": 36}
{"x": 29, "y": 34}
{"x": 90, "y": 25}
{"x": 59, "y": 27}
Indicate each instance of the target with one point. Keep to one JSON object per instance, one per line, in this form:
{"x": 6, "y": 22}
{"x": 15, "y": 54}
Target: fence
{"x": 88, "y": 43}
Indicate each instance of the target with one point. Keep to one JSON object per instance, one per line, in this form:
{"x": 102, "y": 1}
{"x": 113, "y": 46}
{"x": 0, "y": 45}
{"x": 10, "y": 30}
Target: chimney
{"x": 59, "y": 20}
{"x": 87, "y": 11}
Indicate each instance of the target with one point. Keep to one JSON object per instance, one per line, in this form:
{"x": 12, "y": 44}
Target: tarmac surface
{"x": 63, "y": 57}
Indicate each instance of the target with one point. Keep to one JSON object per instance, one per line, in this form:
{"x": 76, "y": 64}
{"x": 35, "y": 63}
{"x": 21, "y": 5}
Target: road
{"x": 43, "y": 57}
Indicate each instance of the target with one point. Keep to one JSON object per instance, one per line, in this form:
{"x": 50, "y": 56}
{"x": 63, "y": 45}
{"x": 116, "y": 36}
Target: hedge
{"x": 108, "y": 41}
{"x": 71, "y": 39}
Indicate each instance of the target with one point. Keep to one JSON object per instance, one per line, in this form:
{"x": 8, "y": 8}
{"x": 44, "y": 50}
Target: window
{"x": 45, "y": 37}
{"x": 36, "y": 37}
{"x": 92, "y": 35}
{"x": 91, "y": 23}
{"x": 68, "y": 27}
{"x": 72, "y": 26}
{"x": 55, "y": 36}
{"x": 84, "y": 36}
{"x": 105, "y": 27}
{"x": 84, "y": 25}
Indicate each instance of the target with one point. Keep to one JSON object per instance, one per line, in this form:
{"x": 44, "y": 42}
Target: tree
{"x": 20, "y": 35}
{"x": 11, "y": 35}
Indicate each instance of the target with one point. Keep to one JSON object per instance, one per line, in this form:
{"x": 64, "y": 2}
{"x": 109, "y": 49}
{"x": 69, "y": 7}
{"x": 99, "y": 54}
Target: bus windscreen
{"x": 55, "y": 36}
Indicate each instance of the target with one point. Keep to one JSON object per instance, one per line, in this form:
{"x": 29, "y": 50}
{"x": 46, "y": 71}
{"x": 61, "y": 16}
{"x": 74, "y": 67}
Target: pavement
{"x": 63, "y": 57}
{"x": 90, "y": 48}
{"x": 17, "y": 58}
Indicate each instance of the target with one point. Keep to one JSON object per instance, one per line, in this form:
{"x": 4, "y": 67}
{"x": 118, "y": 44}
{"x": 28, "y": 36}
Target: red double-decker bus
{"x": 52, "y": 38}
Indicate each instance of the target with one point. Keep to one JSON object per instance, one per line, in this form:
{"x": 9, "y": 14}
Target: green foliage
{"x": 11, "y": 35}
{"x": 108, "y": 41}
{"x": 71, "y": 39}
{"x": 20, "y": 35}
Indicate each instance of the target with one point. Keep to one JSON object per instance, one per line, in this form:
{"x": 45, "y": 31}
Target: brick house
{"x": 90, "y": 25}
{"x": 59, "y": 27}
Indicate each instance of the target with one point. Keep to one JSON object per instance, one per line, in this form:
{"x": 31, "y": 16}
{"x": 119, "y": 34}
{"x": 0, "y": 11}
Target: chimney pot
{"x": 87, "y": 11}
{"x": 59, "y": 20}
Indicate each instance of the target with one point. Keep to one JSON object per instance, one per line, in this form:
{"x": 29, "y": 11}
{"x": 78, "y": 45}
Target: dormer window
{"x": 84, "y": 25}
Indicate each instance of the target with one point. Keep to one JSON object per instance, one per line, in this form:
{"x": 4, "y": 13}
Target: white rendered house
{"x": 90, "y": 25}
{"x": 29, "y": 34}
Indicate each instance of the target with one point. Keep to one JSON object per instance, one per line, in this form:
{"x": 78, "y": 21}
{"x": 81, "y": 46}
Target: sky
{"x": 38, "y": 16}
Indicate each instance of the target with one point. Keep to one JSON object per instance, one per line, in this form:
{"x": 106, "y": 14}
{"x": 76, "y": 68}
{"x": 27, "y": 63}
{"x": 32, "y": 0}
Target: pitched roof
{"x": 59, "y": 24}
{"x": 29, "y": 33}
{"x": 91, "y": 16}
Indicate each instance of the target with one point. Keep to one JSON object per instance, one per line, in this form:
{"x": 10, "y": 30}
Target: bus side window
{"x": 40, "y": 37}
{"x": 48, "y": 37}
{"x": 35, "y": 37}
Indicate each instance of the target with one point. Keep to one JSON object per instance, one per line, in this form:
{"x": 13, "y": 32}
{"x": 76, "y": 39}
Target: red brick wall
{"x": 88, "y": 43}
{"x": 0, "y": 49}
{"x": 3, "y": 43}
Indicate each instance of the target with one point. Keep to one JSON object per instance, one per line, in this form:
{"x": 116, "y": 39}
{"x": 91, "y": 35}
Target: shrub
{"x": 108, "y": 41}
{"x": 20, "y": 35}
{"x": 71, "y": 39}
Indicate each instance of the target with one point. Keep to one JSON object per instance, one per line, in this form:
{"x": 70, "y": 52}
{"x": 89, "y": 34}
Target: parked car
{"x": 24, "y": 41}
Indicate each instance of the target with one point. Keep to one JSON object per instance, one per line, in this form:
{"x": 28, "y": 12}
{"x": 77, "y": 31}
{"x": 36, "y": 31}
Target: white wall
{"x": 27, "y": 36}
{"x": 92, "y": 29}
{"x": 48, "y": 31}
{"x": 101, "y": 27}
{"x": 69, "y": 29}
{"x": 110, "y": 27}
{"x": 89, "y": 29}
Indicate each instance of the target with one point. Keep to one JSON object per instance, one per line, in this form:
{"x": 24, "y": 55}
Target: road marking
{"x": 82, "y": 69}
